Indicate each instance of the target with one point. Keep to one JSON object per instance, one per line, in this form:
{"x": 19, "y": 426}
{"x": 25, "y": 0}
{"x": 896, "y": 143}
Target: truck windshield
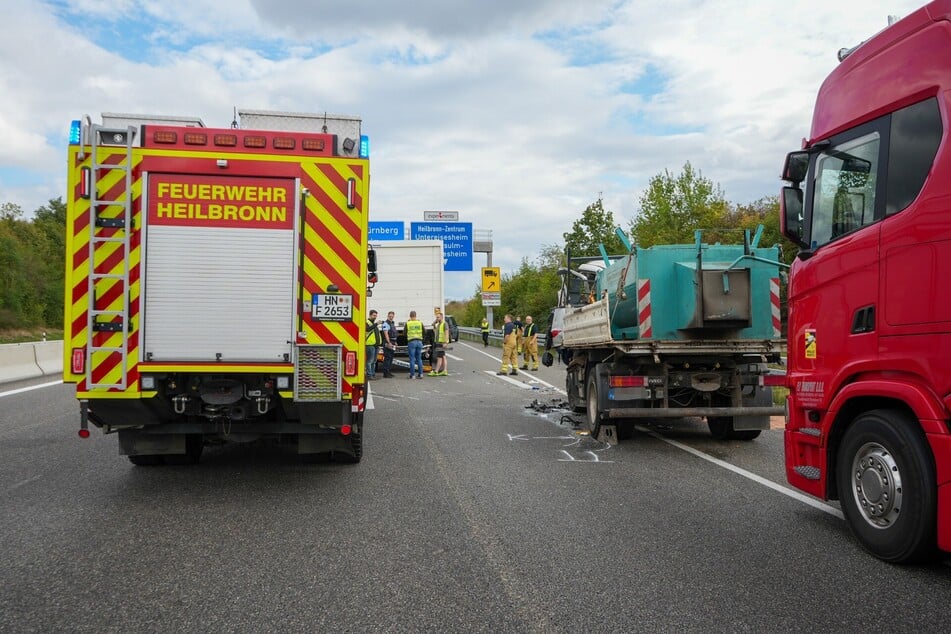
{"x": 844, "y": 198}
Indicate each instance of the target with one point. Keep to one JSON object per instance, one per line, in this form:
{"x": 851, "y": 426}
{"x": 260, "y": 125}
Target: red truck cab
{"x": 869, "y": 356}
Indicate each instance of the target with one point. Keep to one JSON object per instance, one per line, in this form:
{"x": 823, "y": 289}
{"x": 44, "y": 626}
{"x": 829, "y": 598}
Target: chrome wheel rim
{"x": 876, "y": 485}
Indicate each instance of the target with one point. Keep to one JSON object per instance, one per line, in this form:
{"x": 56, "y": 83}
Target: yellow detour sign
{"x": 491, "y": 279}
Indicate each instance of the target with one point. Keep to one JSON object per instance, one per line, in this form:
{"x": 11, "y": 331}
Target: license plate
{"x": 332, "y": 308}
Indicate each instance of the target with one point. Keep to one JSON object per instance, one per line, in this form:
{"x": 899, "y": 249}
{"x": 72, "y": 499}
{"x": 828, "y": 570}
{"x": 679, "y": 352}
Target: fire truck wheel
{"x": 147, "y": 460}
{"x": 593, "y": 418}
{"x": 356, "y": 443}
{"x": 886, "y": 483}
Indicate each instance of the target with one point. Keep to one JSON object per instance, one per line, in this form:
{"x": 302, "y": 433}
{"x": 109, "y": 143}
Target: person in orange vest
{"x": 509, "y": 360}
{"x": 530, "y": 344}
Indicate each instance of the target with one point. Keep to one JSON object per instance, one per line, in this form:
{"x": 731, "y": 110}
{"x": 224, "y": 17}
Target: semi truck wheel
{"x": 593, "y": 418}
{"x": 887, "y": 486}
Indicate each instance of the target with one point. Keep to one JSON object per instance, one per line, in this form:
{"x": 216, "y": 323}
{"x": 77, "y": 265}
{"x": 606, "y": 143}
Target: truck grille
{"x": 317, "y": 373}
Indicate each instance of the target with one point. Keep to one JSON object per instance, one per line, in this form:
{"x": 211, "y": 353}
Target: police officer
{"x": 389, "y": 343}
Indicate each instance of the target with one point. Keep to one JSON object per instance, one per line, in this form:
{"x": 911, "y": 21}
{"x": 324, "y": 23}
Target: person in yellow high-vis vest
{"x": 530, "y": 344}
{"x": 414, "y": 345}
{"x": 373, "y": 342}
{"x": 509, "y": 360}
{"x": 484, "y": 327}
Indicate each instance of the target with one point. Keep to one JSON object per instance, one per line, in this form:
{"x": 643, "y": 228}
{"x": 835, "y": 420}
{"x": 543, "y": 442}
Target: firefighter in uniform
{"x": 509, "y": 359}
{"x": 518, "y": 334}
{"x": 530, "y": 344}
{"x": 373, "y": 342}
{"x": 484, "y": 326}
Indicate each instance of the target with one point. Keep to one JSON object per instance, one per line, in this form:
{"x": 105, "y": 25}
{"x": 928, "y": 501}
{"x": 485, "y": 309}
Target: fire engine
{"x": 216, "y": 282}
{"x": 869, "y": 338}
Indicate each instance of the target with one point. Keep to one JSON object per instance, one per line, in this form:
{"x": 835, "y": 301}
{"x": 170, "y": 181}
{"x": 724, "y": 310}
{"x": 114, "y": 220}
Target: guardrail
{"x": 30, "y": 360}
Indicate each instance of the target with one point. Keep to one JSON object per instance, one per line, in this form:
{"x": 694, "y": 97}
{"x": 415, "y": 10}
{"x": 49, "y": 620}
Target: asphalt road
{"x": 469, "y": 512}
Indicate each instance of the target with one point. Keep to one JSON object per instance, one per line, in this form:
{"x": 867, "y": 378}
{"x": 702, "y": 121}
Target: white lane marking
{"x": 533, "y": 377}
{"x": 28, "y": 389}
{"x": 22, "y": 482}
{"x": 515, "y": 382}
{"x": 796, "y": 495}
{"x": 454, "y": 357}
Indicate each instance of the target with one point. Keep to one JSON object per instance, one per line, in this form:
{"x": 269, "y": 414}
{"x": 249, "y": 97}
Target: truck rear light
{"x": 283, "y": 382}
{"x": 555, "y": 332}
{"x": 351, "y": 193}
{"x": 773, "y": 380}
{"x": 78, "y": 358}
{"x": 84, "y": 433}
{"x": 84, "y": 180}
{"x": 165, "y": 136}
{"x": 256, "y": 141}
{"x": 283, "y": 143}
{"x": 195, "y": 138}
{"x": 313, "y": 145}
{"x": 346, "y": 429}
{"x": 350, "y": 363}
{"x": 226, "y": 140}
{"x": 628, "y": 381}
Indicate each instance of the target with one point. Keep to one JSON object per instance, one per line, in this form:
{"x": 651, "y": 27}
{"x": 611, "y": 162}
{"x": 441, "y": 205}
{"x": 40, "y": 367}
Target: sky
{"x": 518, "y": 115}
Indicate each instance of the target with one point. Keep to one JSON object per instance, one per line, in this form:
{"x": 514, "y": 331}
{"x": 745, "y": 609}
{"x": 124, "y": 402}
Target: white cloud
{"x": 518, "y": 115}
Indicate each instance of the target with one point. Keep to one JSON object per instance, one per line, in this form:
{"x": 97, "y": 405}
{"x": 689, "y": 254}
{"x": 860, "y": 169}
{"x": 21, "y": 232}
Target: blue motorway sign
{"x": 456, "y": 241}
{"x": 387, "y": 230}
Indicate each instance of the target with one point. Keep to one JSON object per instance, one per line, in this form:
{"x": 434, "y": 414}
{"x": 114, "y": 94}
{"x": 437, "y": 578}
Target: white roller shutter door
{"x": 217, "y": 293}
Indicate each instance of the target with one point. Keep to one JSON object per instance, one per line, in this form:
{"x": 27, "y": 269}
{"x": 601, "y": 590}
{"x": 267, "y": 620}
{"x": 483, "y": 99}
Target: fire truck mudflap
{"x": 216, "y": 283}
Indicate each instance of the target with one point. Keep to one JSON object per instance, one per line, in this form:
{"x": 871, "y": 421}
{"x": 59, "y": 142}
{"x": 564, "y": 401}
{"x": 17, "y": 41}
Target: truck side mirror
{"x": 796, "y": 167}
{"x": 791, "y": 214}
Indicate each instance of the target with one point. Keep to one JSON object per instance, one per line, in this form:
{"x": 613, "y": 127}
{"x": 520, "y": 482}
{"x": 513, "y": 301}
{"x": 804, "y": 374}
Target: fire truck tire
{"x": 147, "y": 460}
{"x": 593, "y": 416}
{"x": 887, "y": 486}
{"x": 356, "y": 443}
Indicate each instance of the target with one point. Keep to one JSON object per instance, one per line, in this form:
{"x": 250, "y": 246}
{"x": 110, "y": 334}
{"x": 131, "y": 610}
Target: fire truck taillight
{"x": 254, "y": 140}
{"x": 350, "y": 363}
{"x": 313, "y": 145}
{"x": 351, "y": 192}
{"x": 195, "y": 138}
{"x": 226, "y": 140}
{"x": 85, "y": 175}
{"x": 78, "y": 361}
{"x": 165, "y": 136}
{"x": 283, "y": 143}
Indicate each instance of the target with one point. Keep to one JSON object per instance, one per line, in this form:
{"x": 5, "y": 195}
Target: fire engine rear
{"x": 216, "y": 282}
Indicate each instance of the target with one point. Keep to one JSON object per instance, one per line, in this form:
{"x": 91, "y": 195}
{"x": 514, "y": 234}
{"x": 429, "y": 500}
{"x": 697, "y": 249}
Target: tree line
{"x": 670, "y": 211}
{"x": 32, "y": 269}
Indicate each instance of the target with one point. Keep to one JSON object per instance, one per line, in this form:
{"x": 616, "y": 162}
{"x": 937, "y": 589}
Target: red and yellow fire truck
{"x": 216, "y": 282}
{"x": 869, "y": 372}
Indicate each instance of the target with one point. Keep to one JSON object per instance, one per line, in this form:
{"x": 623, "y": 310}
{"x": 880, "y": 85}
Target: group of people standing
{"x": 384, "y": 334}
{"x": 517, "y": 338}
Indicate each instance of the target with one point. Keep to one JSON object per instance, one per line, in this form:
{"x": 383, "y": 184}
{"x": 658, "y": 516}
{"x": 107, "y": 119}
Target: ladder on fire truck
{"x": 110, "y": 223}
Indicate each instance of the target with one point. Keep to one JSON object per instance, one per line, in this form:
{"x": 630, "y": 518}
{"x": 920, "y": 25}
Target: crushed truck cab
{"x": 216, "y": 282}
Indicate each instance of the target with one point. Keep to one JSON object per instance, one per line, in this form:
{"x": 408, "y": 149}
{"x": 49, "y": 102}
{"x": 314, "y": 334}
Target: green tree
{"x": 595, "y": 227}
{"x": 673, "y": 207}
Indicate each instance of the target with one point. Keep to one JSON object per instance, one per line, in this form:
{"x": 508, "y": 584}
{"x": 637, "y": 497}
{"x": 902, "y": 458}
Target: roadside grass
{"x": 25, "y": 335}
